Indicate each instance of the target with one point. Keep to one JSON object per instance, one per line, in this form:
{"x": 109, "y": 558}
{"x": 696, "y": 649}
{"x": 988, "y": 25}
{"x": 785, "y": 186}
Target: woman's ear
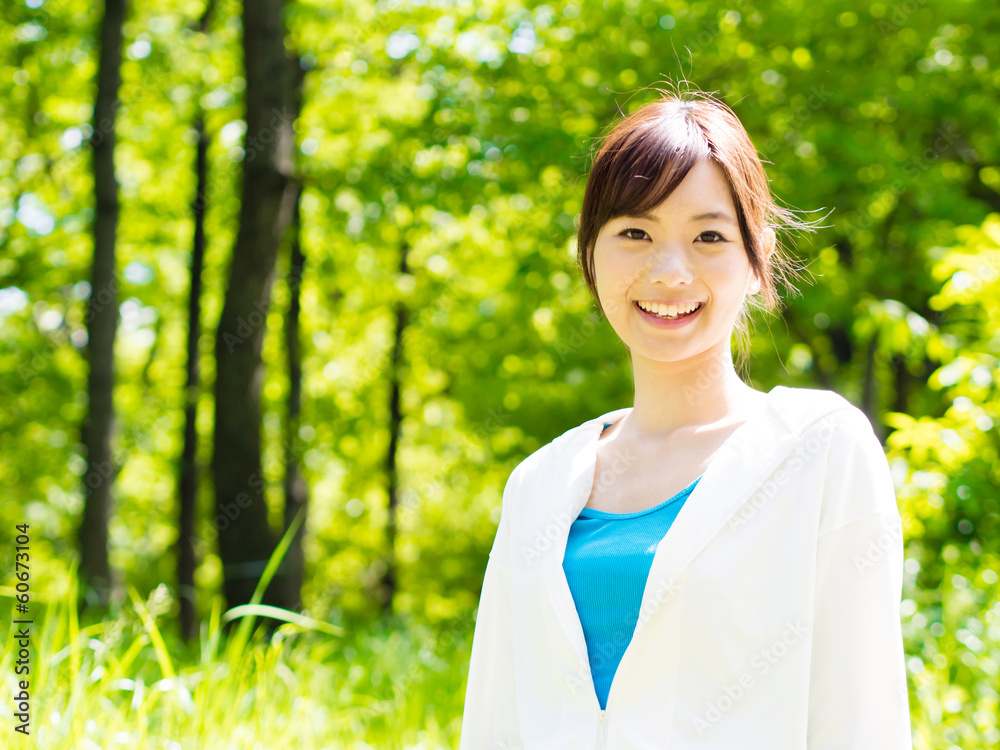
{"x": 767, "y": 241}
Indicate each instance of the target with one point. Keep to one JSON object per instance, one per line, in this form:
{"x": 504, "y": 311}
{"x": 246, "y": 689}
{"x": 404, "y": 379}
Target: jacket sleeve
{"x": 489, "y": 720}
{"x": 857, "y": 683}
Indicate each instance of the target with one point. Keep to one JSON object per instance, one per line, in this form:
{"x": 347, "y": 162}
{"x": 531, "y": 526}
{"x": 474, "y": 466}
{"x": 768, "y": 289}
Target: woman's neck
{"x": 700, "y": 391}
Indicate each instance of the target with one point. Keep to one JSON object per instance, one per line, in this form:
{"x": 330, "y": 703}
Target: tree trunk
{"x": 188, "y": 501}
{"x": 98, "y": 584}
{"x": 296, "y": 489}
{"x": 268, "y": 196}
{"x": 869, "y": 387}
{"x": 187, "y": 555}
{"x": 904, "y": 380}
{"x": 387, "y": 586}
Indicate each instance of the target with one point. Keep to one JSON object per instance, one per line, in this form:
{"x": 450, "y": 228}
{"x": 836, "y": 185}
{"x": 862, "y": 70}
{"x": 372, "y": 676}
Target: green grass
{"x": 127, "y": 683}
{"x": 131, "y": 682}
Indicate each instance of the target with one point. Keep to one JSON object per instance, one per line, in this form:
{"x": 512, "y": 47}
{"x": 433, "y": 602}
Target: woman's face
{"x": 688, "y": 250}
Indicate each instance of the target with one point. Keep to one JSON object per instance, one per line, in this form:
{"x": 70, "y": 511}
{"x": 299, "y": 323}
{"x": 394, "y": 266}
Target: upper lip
{"x": 673, "y": 302}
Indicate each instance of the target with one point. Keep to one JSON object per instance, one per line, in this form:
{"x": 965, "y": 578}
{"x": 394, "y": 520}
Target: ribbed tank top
{"x": 607, "y": 562}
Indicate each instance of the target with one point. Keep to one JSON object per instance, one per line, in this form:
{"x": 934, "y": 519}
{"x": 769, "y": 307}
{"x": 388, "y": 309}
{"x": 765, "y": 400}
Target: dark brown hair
{"x": 647, "y": 155}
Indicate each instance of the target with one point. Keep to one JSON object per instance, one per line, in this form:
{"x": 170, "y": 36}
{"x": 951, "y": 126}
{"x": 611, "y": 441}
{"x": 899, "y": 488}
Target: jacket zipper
{"x": 602, "y": 730}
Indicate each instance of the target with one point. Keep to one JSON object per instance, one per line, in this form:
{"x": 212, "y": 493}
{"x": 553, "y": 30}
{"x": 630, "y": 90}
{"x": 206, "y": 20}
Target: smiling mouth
{"x": 678, "y": 316}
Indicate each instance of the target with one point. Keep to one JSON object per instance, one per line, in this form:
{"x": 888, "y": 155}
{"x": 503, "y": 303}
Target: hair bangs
{"x": 651, "y": 163}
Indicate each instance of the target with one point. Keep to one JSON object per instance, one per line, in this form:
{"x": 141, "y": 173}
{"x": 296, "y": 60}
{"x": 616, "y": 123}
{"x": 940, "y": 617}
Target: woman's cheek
{"x": 601, "y": 280}
{"x": 613, "y": 282}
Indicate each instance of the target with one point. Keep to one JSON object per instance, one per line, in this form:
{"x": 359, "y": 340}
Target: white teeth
{"x": 667, "y": 311}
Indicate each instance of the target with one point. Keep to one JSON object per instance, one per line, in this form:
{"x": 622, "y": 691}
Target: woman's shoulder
{"x": 557, "y": 447}
{"x": 804, "y": 407}
{"x": 561, "y": 453}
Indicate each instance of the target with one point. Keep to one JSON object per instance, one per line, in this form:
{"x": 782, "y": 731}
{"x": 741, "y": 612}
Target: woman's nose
{"x": 669, "y": 264}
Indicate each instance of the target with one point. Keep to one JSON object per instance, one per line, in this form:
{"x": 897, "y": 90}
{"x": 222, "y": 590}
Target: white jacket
{"x": 770, "y": 618}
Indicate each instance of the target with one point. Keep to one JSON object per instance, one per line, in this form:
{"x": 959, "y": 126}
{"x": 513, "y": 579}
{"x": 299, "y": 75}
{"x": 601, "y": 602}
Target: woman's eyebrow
{"x": 722, "y": 215}
{"x": 718, "y": 214}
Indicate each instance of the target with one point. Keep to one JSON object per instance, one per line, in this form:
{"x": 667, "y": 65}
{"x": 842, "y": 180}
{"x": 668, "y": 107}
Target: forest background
{"x": 305, "y": 272}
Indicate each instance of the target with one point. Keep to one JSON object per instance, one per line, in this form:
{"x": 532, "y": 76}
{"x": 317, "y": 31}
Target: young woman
{"x": 713, "y": 567}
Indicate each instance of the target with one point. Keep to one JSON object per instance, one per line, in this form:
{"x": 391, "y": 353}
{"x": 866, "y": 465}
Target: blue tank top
{"x": 607, "y": 562}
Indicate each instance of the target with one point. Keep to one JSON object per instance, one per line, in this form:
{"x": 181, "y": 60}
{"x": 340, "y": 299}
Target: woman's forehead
{"x": 702, "y": 192}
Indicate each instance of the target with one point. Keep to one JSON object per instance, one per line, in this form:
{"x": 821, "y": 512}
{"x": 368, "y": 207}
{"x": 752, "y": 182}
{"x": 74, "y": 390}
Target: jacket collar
{"x": 739, "y": 467}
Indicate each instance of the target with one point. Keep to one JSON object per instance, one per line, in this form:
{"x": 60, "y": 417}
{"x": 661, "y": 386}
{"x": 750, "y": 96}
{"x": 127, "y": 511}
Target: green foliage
{"x": 463, "y": 131}
{"x": 948, "y": 466}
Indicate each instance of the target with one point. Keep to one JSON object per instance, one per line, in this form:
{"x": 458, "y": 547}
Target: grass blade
{"x": 239, "y": 641}
{"x": 285, "y": 615}
{"x": 162, "y": 655}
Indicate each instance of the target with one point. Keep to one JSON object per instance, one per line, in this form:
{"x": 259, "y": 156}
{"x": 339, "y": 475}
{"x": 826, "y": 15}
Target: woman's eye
{"x": 625, "y": 232}
{"x": 719, "y": 237}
